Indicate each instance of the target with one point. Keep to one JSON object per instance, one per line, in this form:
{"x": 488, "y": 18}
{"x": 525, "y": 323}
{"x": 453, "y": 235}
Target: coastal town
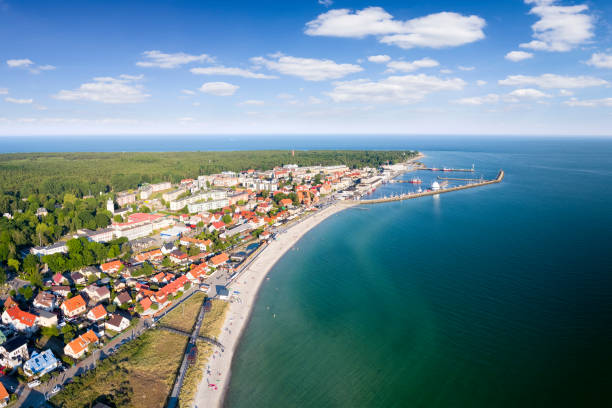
{"x": 164, "y": 243}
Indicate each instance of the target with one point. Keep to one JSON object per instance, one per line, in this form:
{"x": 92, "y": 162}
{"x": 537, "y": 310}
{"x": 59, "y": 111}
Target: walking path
{"x": 176, "y": 390}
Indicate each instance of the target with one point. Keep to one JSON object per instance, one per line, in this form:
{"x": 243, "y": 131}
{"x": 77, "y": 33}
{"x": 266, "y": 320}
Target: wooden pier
{"x": 500, "y": 177}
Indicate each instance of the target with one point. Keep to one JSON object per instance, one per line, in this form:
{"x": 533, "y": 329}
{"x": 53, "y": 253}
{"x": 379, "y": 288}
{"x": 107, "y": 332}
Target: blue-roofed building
{"x": 41, "y": 363}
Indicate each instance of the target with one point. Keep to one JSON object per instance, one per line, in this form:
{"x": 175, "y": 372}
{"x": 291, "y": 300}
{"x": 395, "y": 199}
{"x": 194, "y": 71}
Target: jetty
{"x": 459, "y": 179}
{"x": 408, "y": 196}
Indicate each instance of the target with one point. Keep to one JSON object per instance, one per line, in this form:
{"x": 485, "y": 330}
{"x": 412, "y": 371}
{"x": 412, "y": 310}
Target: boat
{"x": 415, "y": 180}
{"x": 435, "y": 169}
{"x": 447, "y": 169}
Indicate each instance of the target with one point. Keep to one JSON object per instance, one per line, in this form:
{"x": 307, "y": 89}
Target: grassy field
{"x": 213, "y": 320}
{"x": 211, "y": 327}
{"x": 140, "y": 375}
{"x": 184, "y": 316}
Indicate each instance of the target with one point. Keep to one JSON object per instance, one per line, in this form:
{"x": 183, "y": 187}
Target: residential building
{"x": 125, "y": 198}
{"x": 62, "y": 291}
{"x": 178, "y": 257}
{"x": 201, "y": 244}
{"x": 4, "y": 396}
{"x": 207, "y": 205}
{"x": 44, "y": 301}
{"x": 77, "y": 347}
{"x": 122, "y": 298}
{"x": 19, "y": 320}
{"x": 45, "y": 318}
{"x": 97, "y": 294}
{"x": 78, "y": 278}
{"x": 173, "y": 195}
{"x": 97, "y": 313}
{"x": 219, "y": 260}
{"x": 117, "y": 323}
{"x": 40, "y": 364}
{"x": 14, "y": 352}
{"x": 74, "y": 306}
{"x": 57, "y": 248}
{"x": 111, "y": 267}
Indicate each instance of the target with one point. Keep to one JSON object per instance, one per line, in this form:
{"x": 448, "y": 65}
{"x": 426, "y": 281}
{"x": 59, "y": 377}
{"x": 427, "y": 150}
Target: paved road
{"x": 37, "y": 397}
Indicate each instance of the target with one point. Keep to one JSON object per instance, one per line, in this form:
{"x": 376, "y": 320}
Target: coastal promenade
{"x": 498, "y": 179}
{"x": 216, "y": 377}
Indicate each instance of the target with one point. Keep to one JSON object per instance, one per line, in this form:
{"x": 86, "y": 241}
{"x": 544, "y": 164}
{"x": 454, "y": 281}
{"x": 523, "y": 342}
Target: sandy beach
{"x": 216, "y": 375}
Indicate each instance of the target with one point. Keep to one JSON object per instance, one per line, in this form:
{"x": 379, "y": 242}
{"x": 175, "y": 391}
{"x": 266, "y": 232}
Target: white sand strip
{"x": 218, "y": 367}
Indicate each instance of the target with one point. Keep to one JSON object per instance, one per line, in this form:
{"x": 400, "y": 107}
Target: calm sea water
{"x": 499, "y": 296}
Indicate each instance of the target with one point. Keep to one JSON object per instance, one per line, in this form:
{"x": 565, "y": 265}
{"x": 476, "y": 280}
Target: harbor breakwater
{"x": 498, "y": 179}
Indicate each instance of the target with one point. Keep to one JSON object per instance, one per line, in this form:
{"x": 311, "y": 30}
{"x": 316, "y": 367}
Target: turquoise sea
{"x": 498, "y": 296}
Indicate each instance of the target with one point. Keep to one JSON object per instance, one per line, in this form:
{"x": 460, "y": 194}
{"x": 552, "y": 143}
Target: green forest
{"x": 73, "y": 187}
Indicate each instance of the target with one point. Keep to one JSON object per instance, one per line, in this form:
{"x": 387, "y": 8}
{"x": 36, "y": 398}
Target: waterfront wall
{"x": 498, "y": 179}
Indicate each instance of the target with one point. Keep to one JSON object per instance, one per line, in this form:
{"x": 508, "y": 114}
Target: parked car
{"x": 33, "y": 384}
{"x": 56, "y": 389}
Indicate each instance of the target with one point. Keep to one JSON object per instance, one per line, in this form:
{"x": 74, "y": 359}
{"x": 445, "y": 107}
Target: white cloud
{"x": 252, "y": 102}
{"x": 480, "y": 82}
{"x": 220, "y": 70}
{"x": 219, "y": 88}
{"x": 188, "y": 92}
{"x": 515, "y": 96}
{"x": 19, "y": 63}
{"x": 560, "y": 28}
{"x": 479, "y": 100}
{"x": 285, "y": 96}
{"x": 528, "y": 93}
{"x": 3, "y": 91}
{"x": 406, "y": 66}
{"x": 18, "y": 101}
{"x": 589, "y": 103}
{"x": 565, "y": 92}
{"x": 379, "y": 59}
{"x": 159, "y": 59}
{"x": 310, "y": 69}
{"x": 314, "y": 100}
{"x": 446, "y": 71}
{"x": 398, "y": 89}
{"x": 516, "y": 56}
{"x": 549, "y": 81}
{"x": 123, "y": 89}
{"x": 464, "y": 68}
{"x": 600, "y": 60}
{"x": 445, "y": 29}
{"x": 326, "y": 3}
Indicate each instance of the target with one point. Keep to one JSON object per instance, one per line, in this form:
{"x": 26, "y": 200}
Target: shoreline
{"x": 239, "y": 314}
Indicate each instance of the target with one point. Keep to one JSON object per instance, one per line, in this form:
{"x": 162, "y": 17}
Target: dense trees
{"x": 74, "y": 187}
{"x": 82, "y": 252}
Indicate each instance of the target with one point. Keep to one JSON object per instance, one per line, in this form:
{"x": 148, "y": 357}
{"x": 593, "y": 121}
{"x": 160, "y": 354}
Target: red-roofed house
{"x": 77, "y": 347}
{"x": 286, "y": 202}
{"x": 219, "y": 260}
{"x": 19, "y": 320}
{"x": 74, "y": 306}
{"x": 111, "y": 267}
{"x": 97, "y": 313}
{"x": 216, "y": 226}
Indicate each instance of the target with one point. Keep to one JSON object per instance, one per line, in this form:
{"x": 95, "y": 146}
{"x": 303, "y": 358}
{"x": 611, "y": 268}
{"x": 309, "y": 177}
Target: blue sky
{"x": 533, "y": 67}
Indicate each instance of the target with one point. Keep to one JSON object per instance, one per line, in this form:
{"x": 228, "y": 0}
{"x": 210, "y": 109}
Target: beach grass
{"x": 184, "y": 316}
{"x": 211, "y": 327}
{"x": 194, "y": 374}
{"x": 140, "y": 375}
{"x": 214, "y": 319}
